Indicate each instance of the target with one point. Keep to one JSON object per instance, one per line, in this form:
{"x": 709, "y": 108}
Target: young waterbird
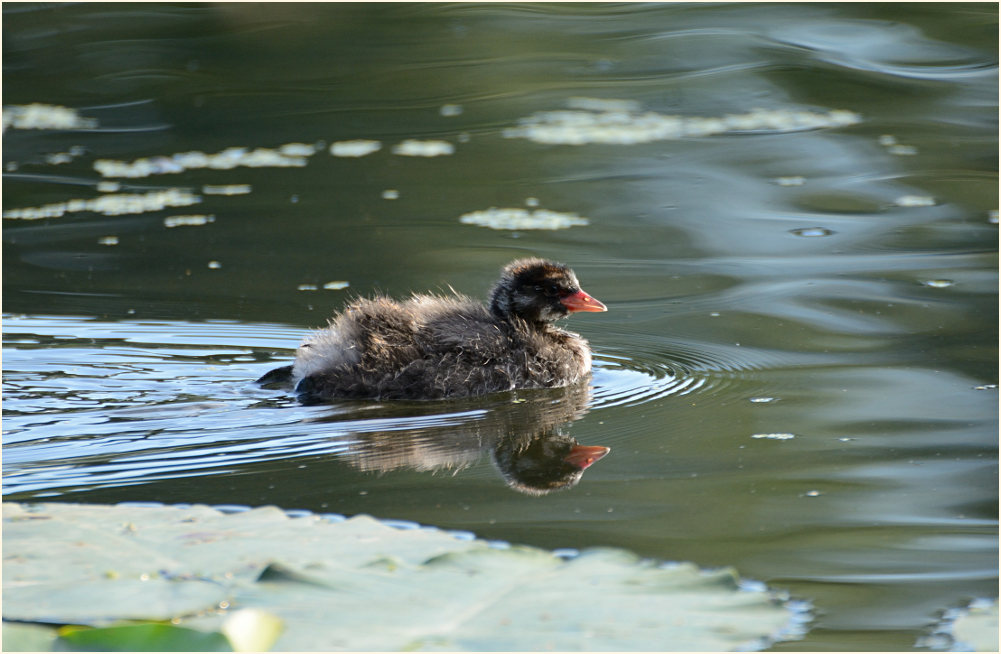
{"x": 430, "y": 347}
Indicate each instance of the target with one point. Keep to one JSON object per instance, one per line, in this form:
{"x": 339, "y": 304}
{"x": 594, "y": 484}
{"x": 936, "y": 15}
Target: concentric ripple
{"x": 91, "y": 403}
{"x": 657, "y": 369}
{"x": 621, "y": 381}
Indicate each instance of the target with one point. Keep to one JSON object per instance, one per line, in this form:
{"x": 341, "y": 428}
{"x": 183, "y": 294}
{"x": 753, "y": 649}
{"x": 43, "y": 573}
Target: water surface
{"x": 791, "y": 213}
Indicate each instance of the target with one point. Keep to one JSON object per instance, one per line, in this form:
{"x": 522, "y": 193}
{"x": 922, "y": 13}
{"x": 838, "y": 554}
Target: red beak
{"x": 581, "y": 301}
{"x": 584, "y": 455}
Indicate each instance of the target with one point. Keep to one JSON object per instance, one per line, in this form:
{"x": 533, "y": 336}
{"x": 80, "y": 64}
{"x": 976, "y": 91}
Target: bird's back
{"x": 425, "y": 347}
{"x": 430, "y": 347}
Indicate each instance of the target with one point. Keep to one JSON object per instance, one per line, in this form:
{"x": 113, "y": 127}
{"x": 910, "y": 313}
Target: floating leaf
{"x": 359, "y": 584}
{"x": 18, "y": 637}
{"x": 146, "y": 637}
{"x": 978, "y": 626}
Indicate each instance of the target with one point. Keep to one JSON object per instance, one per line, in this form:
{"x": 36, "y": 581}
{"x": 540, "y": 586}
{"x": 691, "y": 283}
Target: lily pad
{"x": 145, "y": 637}
{"x": 977, "y": 627}
{"x": 19, "y": 637}
{"x": 359, "y": 584}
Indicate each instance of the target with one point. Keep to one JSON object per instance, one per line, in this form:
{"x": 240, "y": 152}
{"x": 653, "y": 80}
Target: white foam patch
{"x": 775, "y": 437}
{"x": 225, "y": 160}
{"x": 45, "y": 116}
{"x": 415, "y": 148}
{"x": 621, "y": 122}
{"x": 114, "y": 204}
{"x": 355, "y": 148}
{"x": 193, "y": 220}
{"x": 511, "y": 219}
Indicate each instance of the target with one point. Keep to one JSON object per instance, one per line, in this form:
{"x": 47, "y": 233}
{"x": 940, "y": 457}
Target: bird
{"x": 431, "y": 347}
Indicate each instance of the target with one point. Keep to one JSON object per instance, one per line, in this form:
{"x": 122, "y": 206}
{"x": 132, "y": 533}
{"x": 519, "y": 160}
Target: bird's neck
{"x": 515, "y": 320}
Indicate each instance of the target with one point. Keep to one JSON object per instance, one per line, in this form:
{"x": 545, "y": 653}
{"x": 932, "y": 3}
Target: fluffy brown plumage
{"x": 430, "y": 347}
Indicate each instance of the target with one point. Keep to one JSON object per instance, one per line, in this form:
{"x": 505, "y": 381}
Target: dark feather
{"x": 430, "y": 347}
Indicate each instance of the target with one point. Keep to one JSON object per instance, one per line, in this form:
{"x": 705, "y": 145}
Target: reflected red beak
{"x": 584, "y": 455}
{"x": 581, "y": 301}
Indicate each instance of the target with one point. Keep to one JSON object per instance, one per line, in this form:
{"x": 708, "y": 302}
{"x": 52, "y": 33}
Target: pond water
{"x": 790, "y": 211}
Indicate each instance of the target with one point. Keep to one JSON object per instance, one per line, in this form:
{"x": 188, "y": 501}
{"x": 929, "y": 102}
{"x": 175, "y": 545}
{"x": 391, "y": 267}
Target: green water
{"x": 797, "y": 372}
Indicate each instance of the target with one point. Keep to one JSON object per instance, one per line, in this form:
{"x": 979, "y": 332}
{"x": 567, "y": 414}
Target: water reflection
{"x": 524, "y": 435}
{"x": 124, "y": 405}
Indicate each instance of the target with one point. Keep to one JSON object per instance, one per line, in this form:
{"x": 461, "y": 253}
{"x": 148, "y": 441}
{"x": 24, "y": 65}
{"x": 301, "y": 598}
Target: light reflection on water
{"x": 847, "y": 273}
{"x": 145, "y": 410}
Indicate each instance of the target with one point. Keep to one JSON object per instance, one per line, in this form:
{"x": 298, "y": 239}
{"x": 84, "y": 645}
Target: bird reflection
{"x": 523, "y": 433}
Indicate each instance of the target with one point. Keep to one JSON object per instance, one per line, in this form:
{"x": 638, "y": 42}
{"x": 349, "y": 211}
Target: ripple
{"x": 619, "y": 381}
{"x": 96, "y": 404}
{"x": 897, "y": 49}
{"x": 658, "y": 370}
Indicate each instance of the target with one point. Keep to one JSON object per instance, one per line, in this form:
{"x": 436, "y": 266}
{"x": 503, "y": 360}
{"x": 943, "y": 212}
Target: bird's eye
{"x": 550, "y": 290}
